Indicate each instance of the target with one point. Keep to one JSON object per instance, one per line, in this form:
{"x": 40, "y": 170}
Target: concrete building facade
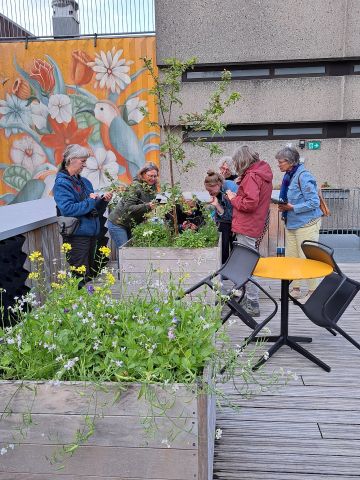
{"x": 296, "y": 66}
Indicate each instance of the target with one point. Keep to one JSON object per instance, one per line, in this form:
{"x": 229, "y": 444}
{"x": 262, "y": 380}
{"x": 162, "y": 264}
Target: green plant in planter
{"x": 87, "y": 335}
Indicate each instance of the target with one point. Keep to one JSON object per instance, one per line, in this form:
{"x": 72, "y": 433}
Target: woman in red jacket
{"x": 250, "y": 207}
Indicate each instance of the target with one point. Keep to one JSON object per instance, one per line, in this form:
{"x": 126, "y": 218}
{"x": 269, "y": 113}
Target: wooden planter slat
{"x": 119, "y": 448}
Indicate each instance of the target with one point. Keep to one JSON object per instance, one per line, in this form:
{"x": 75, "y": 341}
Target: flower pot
{"x": 119, "y": 447}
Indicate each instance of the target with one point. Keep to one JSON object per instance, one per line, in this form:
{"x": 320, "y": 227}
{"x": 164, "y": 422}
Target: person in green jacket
{"x": 138, "y": 199}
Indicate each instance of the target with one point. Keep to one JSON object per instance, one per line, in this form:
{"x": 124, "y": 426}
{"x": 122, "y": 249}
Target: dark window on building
{"x": 274, "y": 70}
{"x": 311, "y": 130}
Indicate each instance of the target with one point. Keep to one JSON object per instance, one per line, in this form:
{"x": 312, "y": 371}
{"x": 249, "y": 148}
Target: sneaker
{"x": 237, "y": 293}
{"x": 305, "y": 298}
{"x": 295, "y": 292}
{"x": 252, "y": 308}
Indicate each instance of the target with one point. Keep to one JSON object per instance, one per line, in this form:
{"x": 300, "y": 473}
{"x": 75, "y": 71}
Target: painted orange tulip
{"x": 21, "y": 89}
{"x": 81, "y": 72}
{"x": 43, "y": 73}
{"x": 64, "y": 135}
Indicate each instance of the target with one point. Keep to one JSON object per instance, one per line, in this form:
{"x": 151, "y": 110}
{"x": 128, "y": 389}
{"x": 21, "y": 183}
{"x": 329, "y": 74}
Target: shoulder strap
{"x": 299, "y": 180}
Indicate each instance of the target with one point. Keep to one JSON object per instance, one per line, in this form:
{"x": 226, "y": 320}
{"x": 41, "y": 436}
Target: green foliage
{"x": 150, "y": 234}
{"x": 206, "y": 236}
{"x": 167, "y": 94}
{"x": 88, "y": 335}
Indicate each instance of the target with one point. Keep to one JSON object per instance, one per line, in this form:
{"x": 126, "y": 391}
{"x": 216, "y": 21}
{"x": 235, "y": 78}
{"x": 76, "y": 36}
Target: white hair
{"x": 74, "y": 151}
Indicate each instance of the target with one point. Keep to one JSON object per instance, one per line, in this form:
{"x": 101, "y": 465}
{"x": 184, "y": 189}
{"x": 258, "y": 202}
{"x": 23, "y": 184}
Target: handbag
{"x": 323, "y": 205}
{"x": 67, "y": 225}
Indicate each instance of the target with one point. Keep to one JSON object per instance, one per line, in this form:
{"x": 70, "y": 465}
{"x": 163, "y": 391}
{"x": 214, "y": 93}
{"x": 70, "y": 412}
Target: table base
{"x": 290, "y": 342}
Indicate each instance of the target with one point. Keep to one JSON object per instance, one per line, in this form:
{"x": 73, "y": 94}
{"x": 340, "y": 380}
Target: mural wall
{"x": 55, "y": 93}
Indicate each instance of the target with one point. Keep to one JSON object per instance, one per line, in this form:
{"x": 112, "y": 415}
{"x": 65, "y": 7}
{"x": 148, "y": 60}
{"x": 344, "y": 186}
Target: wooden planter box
{"x": 156, "y": 266}
{"x": 119, "y": 449}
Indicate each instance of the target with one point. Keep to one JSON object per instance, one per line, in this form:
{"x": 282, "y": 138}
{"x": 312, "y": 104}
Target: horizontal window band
{"x": 203, "y": 73}
{"x": 311, "y": 130}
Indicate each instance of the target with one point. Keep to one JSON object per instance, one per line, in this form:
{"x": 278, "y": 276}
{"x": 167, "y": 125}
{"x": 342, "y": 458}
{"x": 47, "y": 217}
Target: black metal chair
{"x": 332, "y": 296}
{"x": 238, "y": 270}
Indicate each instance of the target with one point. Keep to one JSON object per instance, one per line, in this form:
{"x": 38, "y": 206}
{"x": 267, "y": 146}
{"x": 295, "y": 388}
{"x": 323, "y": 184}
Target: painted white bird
{"x": 119, "y": 137}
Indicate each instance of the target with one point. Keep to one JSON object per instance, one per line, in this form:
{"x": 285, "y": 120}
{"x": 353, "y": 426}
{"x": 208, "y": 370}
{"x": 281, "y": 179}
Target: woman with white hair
{"x": 250, "y": 207}
{"x": 300, "y": 210}
{"x": 224, "y": 168}
{"x": 74, "y": 196}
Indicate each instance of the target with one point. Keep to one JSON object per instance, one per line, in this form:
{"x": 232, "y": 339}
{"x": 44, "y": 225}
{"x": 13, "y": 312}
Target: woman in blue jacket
{"x": 301, "y": 210}
{"x": 74, "y": 196}
{"x": 215, "y": 185}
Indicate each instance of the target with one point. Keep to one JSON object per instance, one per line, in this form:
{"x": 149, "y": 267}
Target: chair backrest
{"x": 330, "y": 300}
{"x": 321, "y": 252}
{"x": 240, "y": 264}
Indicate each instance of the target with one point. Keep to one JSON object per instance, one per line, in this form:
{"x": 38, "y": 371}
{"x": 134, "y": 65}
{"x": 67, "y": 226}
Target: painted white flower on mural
{"x": 133, "y": 107}
{"x": 27, "y": 153}
{"x": 39, "y": 113}
{"x": 15, "y": 112}
{"x": 111, "y": 71}
{"x": 60, "y": 108}
{"x": 103, "y": 161}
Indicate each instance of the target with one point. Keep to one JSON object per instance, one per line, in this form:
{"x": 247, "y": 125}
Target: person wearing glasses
{"x": 74, "y": 196}
{"x": 300, "y": 209}
{"x": 137, "y": 200}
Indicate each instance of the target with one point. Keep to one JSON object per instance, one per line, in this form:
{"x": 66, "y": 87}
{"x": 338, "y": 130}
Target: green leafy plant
{"x": 167, "y": 94}
{"x": 89, "y": 335}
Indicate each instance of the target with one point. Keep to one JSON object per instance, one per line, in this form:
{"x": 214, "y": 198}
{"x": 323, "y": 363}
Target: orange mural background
{"x": 57, "y": 92}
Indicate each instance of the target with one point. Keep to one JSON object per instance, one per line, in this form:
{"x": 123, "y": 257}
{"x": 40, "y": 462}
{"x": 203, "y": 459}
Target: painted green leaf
{"x": 16, "y": 176}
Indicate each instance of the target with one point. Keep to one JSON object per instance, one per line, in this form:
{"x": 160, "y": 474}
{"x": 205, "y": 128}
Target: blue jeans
{"x": 118, "y": 233}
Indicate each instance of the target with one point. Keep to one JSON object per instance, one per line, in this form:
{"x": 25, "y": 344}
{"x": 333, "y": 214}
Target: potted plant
{"x": 83, "y": 374}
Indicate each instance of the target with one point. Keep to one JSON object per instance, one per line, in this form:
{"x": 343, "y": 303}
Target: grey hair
{"x": 243, "y": 157}
{"x": 226, "y": 159}
{"x": 290, "y": 154}
{"x": 74, "y": 151}
{"x": 146, "y": 168}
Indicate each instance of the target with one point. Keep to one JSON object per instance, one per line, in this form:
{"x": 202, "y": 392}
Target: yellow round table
{"x": 287, "y": 269}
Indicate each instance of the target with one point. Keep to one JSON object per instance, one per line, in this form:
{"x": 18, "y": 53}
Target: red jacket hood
{"x": 260, "y": 168}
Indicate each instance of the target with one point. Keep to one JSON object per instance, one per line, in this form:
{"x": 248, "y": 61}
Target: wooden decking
{"x": 308, "y": 429}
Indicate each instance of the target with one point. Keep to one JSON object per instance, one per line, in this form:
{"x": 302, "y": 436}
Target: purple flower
{"x": 90, "y": 289}
{"x": 175, "y": 320}
{"x": 171, "y": 334}
{"x": 157, "y": 310}
{"x": 66, "y": 310}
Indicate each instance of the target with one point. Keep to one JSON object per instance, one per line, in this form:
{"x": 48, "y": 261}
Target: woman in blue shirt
{"x": 300, "y": 211}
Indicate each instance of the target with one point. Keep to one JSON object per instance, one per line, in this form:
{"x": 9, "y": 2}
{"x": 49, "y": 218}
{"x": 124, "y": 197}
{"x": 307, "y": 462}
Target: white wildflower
{"x": 218, "y": 433}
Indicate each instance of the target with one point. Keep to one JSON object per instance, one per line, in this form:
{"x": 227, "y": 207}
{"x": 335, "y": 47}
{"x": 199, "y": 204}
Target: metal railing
{"x": 33, "y": 18}
{"x": 344, "y": 205}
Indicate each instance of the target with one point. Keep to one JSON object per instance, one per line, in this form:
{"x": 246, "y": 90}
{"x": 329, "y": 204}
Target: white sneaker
{"x": 305, "y": 298}
{"x": 296, "y": 293}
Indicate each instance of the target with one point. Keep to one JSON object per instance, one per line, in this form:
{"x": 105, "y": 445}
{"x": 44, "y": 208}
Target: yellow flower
{"x": 61, "y": 276}
{"x": 110, "y": 279}
{"x": 66, "y": 247}
{"x": 34, "y": 275}
{"x": 55, "y": 285}
{"x": 81, "y": 269}
{"x": 105, "y": 251}
{"x": 36, "y": 256}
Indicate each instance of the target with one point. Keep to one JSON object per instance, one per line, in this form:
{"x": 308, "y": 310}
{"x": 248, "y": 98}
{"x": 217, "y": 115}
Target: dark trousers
{"x": 226, "y": 240}
{"x": 82, "y": 253}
